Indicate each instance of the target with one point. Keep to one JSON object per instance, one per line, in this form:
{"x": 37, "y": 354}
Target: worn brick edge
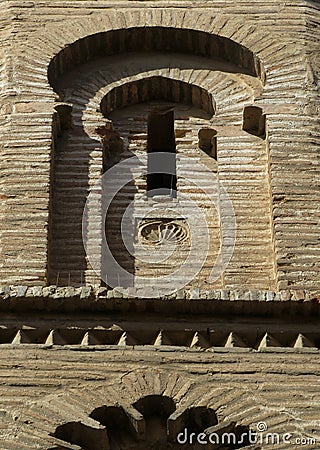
{"x": 196, "y": 301}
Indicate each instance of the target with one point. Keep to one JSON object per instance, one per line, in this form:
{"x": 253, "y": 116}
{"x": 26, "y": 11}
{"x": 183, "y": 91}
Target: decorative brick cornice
{"x": 188, "y": 301}
{"x": 227, "y": 339}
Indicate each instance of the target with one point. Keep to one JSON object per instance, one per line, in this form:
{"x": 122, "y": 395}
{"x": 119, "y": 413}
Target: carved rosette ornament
{"x": 157, "y": 231}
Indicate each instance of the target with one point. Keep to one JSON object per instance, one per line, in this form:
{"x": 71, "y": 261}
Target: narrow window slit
{"x": 162, "y": 173}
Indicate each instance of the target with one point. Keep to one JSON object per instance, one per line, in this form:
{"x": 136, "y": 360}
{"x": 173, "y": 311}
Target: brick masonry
{"x": 246, "y": 346}
{"x": 287, "y": 239}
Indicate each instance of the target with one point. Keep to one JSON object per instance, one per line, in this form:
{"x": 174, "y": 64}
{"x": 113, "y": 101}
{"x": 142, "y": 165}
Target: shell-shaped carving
{"x": 160, "y": 231}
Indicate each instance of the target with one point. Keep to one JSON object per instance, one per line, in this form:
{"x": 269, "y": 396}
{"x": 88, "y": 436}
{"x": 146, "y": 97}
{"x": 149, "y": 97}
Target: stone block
{"x": 269, "y": 295}
{"x": 255, "y": 296}
{"x": 285, "y": 295}
{"x": 110, "y": 294}
{"x": 298, "y": 295}
{"x": 225, "y": 295}
{"x": 85, "y": 292}
{"x": 181, "y": 294}
{"x": 194, "y": 294}
{"x": 35, "y": 292}
{"x": 5, "y": 292}
{"x": 18, "y": 291}
{"x": 48, "y": 291}
{"x": 117, "y": 292}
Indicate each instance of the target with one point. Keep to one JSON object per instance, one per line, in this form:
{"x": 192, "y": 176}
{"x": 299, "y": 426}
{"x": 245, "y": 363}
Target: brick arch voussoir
{"x": 230, "y": 403}
{"x": 50, "y": 43}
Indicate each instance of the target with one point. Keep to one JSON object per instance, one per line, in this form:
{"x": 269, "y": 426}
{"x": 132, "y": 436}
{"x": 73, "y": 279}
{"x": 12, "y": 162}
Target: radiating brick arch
{"x": 146, "y": 39}
{"x": 96, "y": 98}
{"x": 79, "y": 415}
{"x": 157, "y": 88}
{"x": 269, "y": 53}
{"x": 156, "y": 427}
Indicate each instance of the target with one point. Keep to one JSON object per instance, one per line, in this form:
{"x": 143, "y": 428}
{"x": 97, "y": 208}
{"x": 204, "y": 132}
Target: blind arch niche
{"x": 151, "y": 39}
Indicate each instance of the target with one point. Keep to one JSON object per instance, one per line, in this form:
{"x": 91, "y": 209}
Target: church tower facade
{"x": 159, "y": 209}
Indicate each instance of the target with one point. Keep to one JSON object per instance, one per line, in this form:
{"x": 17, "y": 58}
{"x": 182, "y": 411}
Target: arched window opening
{"x": 121, "y": 432}
{"x": 64, "y": 111}
{"x": 254, "y": 121}
{"x": 208, "y": 141}
{"x": 147, "y": 39}
{"x": 157, "y": 88}
{"x": 152, "y": 422}
{"x": 88, "y": 438}
{"x": 156, "y": 410}
{"x": 162, "y": 177}
{"x": 196, "y": 419}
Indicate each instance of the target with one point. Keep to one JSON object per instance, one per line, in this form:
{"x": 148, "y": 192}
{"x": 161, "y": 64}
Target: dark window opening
{"x": 162, "y": 175}
{"x": 83, "y": 435}
{"x": 119, "y": 427}
{"x": 64, "y": 111}
{"x": 156, "y": 409}
{"x": 254, "y": 121}
{"x": 208, "y": 141}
